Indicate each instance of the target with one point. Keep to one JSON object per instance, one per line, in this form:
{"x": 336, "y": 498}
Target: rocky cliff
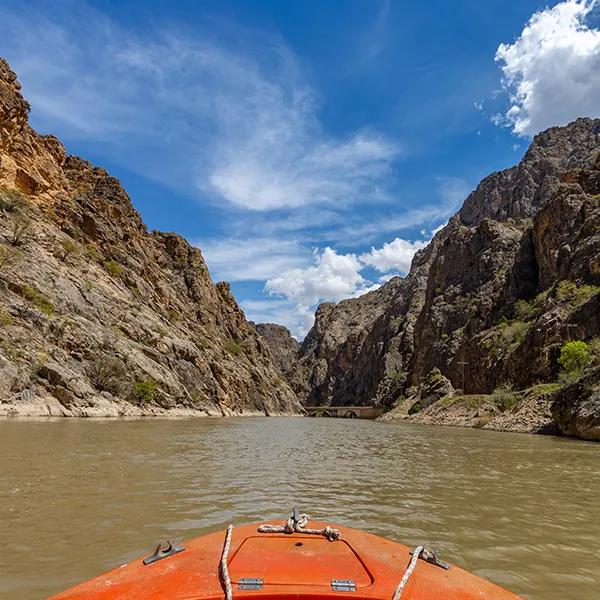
{"x": 99, "y": 316}
{"x": 489, "y": 303}
{"x": 283, "y": 347}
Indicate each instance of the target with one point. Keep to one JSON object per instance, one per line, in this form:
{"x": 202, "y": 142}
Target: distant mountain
{"x": 98, "y": 316}
{"x": 487, "y": 306}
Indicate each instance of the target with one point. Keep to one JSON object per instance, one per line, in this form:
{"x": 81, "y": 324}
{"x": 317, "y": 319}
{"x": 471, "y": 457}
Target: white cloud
{"x": 254, "y": 259}
{"x": 333, "y": 277}
{"x": 552, "y": 70}
{"x": 393, "y": 256}
{"x": 230, "y": 117}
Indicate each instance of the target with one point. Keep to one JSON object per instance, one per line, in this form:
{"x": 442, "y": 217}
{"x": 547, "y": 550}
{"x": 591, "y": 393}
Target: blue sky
{"x": 308, "y": 148}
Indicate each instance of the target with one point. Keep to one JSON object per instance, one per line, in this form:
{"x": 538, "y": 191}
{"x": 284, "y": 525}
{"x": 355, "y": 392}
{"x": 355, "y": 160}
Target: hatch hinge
{"x": 161, "y": 553}
{"x": 250, "y": 583}
{"x": 343, "y": 585}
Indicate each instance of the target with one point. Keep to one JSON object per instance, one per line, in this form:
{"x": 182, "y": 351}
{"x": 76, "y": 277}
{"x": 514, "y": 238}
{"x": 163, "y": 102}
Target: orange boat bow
{"x": 292, "y": 565}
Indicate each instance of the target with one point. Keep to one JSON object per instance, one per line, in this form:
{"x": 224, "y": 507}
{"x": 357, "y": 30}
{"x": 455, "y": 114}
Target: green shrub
{"x": 5, "y": 318}
{"x": 504, "y": 397}
{"x": 397, "y": 321}
{"x": 20, "y": 231}
{"x": 571, "y": 293}
{"x": 108, "y": 374}
{"x": 415, "y": 408}
{"x": 37, "y": 298}
{"x": 394, "y": 374}
{"x": 234, "y": 348}
{"x": 542, "y": 389}
{"x": 113, "y": 268}
{"x": 68, "y": 247}
{"x": 512, "y": 332}
{"x": 93, "y": 252}
{"x": 144, "y": 390}
{"x": 173, "y": 315}
{"x": 8, "y": 256}
{"x": 12, "y": 200}
{"x": 574, "y": 356}
{"x": 524, "y": 310}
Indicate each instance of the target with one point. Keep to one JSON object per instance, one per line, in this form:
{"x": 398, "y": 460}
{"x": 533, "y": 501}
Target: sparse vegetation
{"x": 394, "y": 374}
{"x": 38, "y": 299}
{"x": 8, "y": 256}
{"x": 69, "y": 247}
{"x": 173, "y": 315}
{"x": 93, "y": 252}
{"x": 108, "y": 374}
{"x": 144, "y": 390}
{"x": 5, "y": 318}
{"x": 234, "y": 348}
{"x": 113, "y": 268}
{"x": 524, "y": 310}
{"x": 504, "y": 397}
{"x": 415, "y": 408}
{"x": 594, "y": 348}
{"x": 569, "y": 292}
{"x": 12, "y": 200}
{"x": 512, "y": 332}
{"x": 543, "y": 388}
{"x": 20, "y": 231}
{"x": 397, "y": 321}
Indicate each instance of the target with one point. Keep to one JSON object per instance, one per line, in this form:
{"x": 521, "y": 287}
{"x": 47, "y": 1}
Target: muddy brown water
{"x": 78, "y": 497}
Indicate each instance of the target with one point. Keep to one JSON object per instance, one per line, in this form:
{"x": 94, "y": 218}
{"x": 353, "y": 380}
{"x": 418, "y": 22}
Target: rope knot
{"x": 297, "y": 523}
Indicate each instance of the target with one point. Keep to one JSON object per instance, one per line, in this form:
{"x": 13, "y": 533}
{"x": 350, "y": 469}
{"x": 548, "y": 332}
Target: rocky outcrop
{"x": 100, "y": 317}
{"x": 281, "y": 344}
{"x": 492, "y": 298}
{"x": 576, "y": 407}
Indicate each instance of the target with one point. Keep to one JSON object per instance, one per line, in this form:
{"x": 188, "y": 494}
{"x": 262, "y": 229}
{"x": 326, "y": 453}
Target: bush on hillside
{"x": 574, "y": 356}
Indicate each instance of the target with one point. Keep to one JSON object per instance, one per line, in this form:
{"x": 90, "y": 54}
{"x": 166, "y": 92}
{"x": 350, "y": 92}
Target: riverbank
{"x": 529, "y": 411}
{"x": 102, "y": 407}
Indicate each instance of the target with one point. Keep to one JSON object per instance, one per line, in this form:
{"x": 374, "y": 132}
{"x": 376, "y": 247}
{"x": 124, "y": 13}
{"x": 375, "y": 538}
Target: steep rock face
{"x": 98, "y": 316}
{"x": 576, "y": 407}
{"x": 485, "y": 302}
{"x": 283, "y": 347}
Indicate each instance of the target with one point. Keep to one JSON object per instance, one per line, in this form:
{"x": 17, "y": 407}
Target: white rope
{"x": 224, "y": 570}
{"x": 409, "y": 570}
{"x": 299, "y": 526}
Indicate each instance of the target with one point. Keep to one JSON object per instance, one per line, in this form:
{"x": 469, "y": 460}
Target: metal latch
{"x": 250, "y": 583}
{"x": 343, "y": 585}
{"x": 161, "y": 553}
{"x": 431, "y": 557}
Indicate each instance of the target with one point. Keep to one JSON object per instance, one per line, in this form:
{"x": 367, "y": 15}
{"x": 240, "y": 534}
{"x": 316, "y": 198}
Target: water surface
{"x": 78, "y": 497}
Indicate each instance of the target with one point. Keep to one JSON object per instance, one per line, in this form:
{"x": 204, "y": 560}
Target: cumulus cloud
{"x": 333, "y": 277}
{"x": 392, "y": 256}
{"x": 552, "y": 70}
{"x": 231, "y": 118}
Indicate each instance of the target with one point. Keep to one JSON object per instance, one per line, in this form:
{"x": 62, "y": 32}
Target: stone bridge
{"x": 344, "y": 412}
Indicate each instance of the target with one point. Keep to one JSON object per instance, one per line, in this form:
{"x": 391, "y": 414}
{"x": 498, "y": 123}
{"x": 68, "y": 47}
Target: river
{"x": 78, "y": 497}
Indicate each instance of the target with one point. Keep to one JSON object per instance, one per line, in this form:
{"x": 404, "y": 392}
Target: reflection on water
{"x": 78, "y": 497}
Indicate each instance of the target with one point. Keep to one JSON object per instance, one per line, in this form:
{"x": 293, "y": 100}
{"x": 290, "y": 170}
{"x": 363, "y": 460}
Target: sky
{"x": 308, "y": 148}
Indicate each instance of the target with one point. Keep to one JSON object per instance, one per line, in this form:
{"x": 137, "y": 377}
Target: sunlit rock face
{"x": 99, "y": 316}
{"x": 486, "y": 301}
